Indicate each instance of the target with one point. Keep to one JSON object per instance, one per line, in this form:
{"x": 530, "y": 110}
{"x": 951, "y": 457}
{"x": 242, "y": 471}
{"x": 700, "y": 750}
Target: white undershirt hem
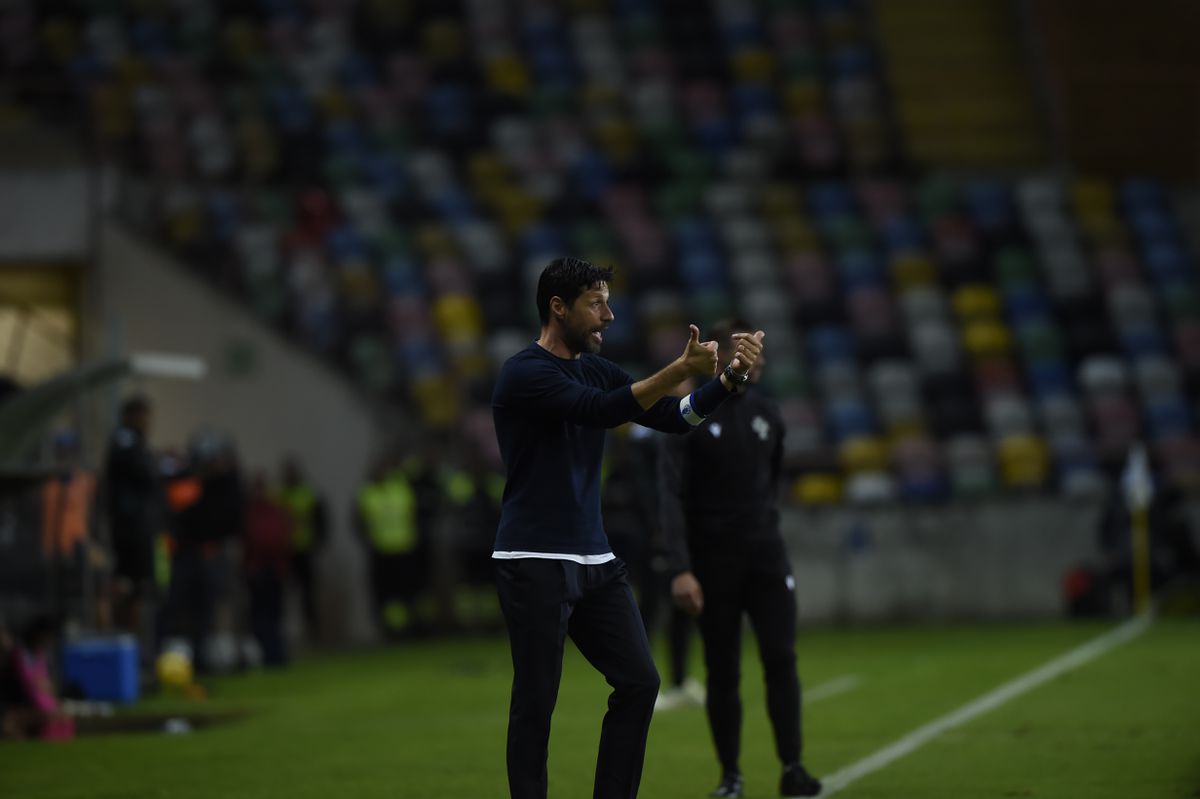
{"x": 586, "y": 560}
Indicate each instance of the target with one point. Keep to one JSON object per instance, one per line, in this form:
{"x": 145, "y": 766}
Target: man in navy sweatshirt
{"x": 555, "y": 572}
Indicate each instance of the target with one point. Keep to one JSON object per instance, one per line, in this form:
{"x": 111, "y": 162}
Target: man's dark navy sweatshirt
{"x": 551, "y": 414}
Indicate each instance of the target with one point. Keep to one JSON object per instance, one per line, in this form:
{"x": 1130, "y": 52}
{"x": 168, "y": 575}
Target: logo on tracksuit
{"x": 762, "y": 427}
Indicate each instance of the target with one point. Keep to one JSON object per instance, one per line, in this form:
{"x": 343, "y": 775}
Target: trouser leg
{"x": 771, "y": 605}
{"x": 721, "y": 632}
{"x": 534, "y": 598}
{"x": 607, "y": 627}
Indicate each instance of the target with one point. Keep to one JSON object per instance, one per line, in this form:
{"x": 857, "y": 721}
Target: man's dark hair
{"x": 567, "y": 278}
{"x": 722, "y": 331}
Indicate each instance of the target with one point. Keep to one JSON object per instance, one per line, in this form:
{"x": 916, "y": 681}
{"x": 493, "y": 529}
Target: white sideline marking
{"x": 835, "y": 687}
{"x": 989, "y": 701}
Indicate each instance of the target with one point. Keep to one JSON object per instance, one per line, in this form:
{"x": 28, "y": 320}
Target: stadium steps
{"x": 958, "y": 82}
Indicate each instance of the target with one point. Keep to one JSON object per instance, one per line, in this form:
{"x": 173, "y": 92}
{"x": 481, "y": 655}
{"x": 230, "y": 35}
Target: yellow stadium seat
{"x": 984, "y": 338}
{"x": 61, "y": 38}
{"x": 132, "y": 71}
{"x": 900, "y": 429}
{"x": 471, "y": 364}
{"x": 803, "y": 96}
{"x": 1103, "y": 228}
{"x": 435, "y": 240}
{"x": 458, "y": 317}
{"x": 437, "y": 399}
{"x": 913, "y": 269}
{"x": 241, "y": 41}
{"x": 443, "y": 41}
{"x": 1093, "y": 197}
{"x": 1023, "y": 461}
{"x": 516, "y": 208}
{"x": 335, "y": 104}
{"x": 507, "y": 74}
{"x": 110, "y": 104}
{"x": 976, "y": 302}
{"x": 257, "y": 147}
{"x": 185, "y": 226}
{"x": 863, "y": 454}
{"x": 358, "y": 284}
{"x": 817, "y": 489}
{"x": 794, "y": 235}
{"x": 601, "y": 95}
{"x": 486, "y": 169}
{"x": 780, "y": 201}
{"x": 617, "y": 139}
{"x": 754, "y": 66}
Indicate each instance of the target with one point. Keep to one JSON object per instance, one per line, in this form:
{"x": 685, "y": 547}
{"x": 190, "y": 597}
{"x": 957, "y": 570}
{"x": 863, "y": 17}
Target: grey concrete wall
{"x": 1000, "y": 559}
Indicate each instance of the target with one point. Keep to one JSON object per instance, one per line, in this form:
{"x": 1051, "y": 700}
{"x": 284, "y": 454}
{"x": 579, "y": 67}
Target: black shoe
{"x": 731, "y": 785}
{"x": 798, "y": 782}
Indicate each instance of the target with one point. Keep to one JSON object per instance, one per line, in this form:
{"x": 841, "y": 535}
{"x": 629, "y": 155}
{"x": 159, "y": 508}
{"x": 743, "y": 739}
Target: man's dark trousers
{"x": 751, "y": 577}
{"x": 544, "y": 601}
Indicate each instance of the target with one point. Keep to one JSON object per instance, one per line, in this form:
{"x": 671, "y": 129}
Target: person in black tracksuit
{"x": 556, "y": 574}
{"x": 719, "y": 511}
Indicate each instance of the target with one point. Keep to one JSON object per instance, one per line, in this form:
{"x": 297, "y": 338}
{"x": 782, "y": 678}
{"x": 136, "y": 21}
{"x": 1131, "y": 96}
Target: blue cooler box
{"x": 106, "y": 669}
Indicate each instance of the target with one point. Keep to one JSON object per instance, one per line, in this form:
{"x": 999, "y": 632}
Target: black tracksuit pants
{"x": 544, "y": 601}
{"x": 754, "y": 578}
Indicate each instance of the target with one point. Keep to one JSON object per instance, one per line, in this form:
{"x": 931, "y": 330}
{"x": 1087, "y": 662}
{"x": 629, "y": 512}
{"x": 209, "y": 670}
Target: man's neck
{"x": 553, "y": 343}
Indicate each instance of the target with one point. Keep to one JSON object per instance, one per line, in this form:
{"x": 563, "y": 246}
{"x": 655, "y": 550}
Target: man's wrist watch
{"x": 737, "y": 381}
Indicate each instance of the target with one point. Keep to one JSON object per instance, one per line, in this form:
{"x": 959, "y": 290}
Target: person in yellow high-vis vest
{"x": 387, "y": 513}
{"x": 309, "y": 528}
{"x": 473, "y": 494}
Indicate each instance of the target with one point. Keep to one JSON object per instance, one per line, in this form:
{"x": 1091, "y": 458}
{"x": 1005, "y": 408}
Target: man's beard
{"x": 579, "y": 341}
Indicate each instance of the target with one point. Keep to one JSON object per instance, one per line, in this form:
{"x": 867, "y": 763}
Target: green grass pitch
{"x": 428, "y": 720}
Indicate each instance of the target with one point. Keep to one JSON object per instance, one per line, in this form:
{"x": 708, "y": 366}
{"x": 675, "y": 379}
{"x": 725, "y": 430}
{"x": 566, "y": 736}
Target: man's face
{"x": 726, "y": 355}
{"x": 586, "y": 319}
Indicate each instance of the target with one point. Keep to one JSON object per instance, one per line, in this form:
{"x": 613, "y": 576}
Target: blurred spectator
{"x": 268, "y": 549}
{"x": 204, "y": 529}
{"x": 474, "y": 494}
{"x": 67, "y": 500}
{"x": 135, "y": 511}
{"x": 387, "y": 516}
{"x": 309, "y": 526}
{"x": 68, "y": 503}
{"x": 425, "y": 474}
{"x": 28, "y": 701}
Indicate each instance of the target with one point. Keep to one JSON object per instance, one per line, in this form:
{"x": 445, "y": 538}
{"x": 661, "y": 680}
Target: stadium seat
{"x": 817, "y": 489}
{"x": 1023, "y": 461}
{"x": 970, "y": 465}
{"x": 862, "y": 454}
{"x": 870, "y": 488}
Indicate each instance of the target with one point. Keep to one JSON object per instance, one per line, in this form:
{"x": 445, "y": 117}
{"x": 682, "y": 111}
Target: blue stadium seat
{"x": 850, "y": 419}
{"x": 829, "y": 343}
{"x": 1168, "y": 416}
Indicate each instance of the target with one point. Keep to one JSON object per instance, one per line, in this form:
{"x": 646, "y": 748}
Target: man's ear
{"x": 558, "y": 308}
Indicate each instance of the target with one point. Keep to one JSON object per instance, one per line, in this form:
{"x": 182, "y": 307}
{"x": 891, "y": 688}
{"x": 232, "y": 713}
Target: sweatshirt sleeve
{"x": 669, "y": 414}
{"x": 537, "y": 387}
{"x": 672, "y": 478}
